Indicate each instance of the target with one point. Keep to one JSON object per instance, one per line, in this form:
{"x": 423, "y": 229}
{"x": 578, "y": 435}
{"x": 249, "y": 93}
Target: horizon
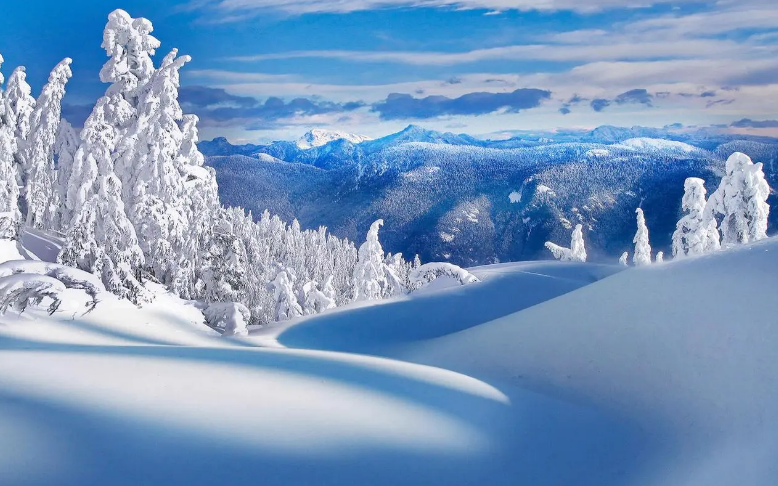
{"x": 268, "y": 70}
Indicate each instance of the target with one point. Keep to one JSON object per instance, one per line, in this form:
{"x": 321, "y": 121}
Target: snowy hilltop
{"x": 318, "y": 137}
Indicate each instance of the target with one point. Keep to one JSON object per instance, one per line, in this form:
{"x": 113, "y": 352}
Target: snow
{"x": 643, "y": 143}
{"x": 544, "y": 372}
{"x": 318, "y": 137}
{"x": 514, "y": 197}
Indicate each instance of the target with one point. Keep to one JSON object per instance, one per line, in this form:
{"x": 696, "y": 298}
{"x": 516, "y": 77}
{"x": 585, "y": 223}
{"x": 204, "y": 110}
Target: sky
{"x": 267, "y": 70}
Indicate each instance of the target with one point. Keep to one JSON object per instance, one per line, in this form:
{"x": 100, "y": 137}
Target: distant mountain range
{"x": 469, "y": 201}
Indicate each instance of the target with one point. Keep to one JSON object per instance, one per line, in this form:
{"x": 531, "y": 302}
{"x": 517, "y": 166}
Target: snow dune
{"x": 544, "y": 373}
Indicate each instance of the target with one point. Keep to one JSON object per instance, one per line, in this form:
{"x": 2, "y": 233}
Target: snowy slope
{"x": 544, "y": 373}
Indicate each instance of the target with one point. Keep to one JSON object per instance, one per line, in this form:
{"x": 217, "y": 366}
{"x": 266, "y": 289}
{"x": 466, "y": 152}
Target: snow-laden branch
{"x": 69, "y": 277}
{"x": 24, "y": 289}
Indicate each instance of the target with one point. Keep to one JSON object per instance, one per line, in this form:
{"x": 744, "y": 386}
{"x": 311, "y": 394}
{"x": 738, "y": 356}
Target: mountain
{"x": 318, "y": 137}
{"x": 454, "y": 198}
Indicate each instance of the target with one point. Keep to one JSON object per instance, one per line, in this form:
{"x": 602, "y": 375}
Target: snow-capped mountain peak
{"x": 318, "y": 137}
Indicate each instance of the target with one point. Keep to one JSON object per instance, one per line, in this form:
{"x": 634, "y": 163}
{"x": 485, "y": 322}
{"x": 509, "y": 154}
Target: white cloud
{"x": 231, "y": 7}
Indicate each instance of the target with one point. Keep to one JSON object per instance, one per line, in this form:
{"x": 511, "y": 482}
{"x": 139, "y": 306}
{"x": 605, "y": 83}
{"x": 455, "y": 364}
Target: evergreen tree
{"x": 694, "y": 235}
{"x": 9, "y": 189}
{"x": 369, "y": 273}
{"x": 65, "y": 149}
{"x": 37, "y": 155}
{"x": 741, "y": 201}
{"x": 642, "y": 254}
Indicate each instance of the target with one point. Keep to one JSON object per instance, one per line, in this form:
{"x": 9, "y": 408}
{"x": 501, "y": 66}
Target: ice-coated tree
{"x": 19, "y": 105}
{"x": 642, "y": 254}
{"x": 286, "y": 305}
{"x": 660, "y": 257}
{"x": 694, "y": 235}
{"x": 740, "y": 201}
{"x": 624, "y": 258}
{"x": 10, "y": 217}
{"x": 37, "y": 155}
{"x": 369, "y": 273}
{"x": 577, "y": 250}
{"x": 65, "y": 149}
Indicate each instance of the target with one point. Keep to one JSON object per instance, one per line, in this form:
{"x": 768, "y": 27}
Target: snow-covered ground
{"x": 544, "y": 373}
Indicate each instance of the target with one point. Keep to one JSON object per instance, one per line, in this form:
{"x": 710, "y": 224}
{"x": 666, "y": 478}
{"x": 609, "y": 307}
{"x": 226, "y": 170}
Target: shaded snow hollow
{"x": 544, "y": 373}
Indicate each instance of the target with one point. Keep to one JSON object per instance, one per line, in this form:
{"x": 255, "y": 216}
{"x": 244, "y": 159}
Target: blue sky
{"x": 272, "y": 69}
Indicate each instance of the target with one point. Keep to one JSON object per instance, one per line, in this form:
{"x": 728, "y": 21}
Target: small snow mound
{"x": 318, "y": 137}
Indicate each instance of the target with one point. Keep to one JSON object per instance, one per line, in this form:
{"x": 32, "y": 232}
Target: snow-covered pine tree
{"x": 225, "y": 278}
{"x": 65, "y": 149}
{"x": 153, "y": 181}
{"x": 694, "y": 235}
{"x": 624, "y": 258}
{"x": 10, "y": 217}
{"x": 741, "y": 201}
{"x": 315, "y": 301}
{"x": 286, "y": 305}
{"x": 660, "y": 257}
{"x": 94, "y": 182}
{"x": 37, "y": 155}
{"x": 642, "y": 254}
{"x": 577, "y": 250}
{"x": 19, "y": 105}
{"x": 369, "y": 273}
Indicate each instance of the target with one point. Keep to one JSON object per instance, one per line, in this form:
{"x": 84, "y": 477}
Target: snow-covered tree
{"x": 369, "y": 273}
{"x": 315, "y": 301}
{"x": 225, "y": 278}
{"x": 286, "y": 305}
{"x": 37, "y": 155}
{"x": 741, "y": 201}
{"x": 101, "y": 239}
{"x": 19, "y": 105}
{"x": 229, "y": 317}
{"x": 642, "y": 254}
{"x": 624, "y": 258}
{"x": 65, "y": 149}
{"x": 10, "y": 216}
{"x": 577, "y": 250}
{"x": 660, "y": 257}
{"x": 694, "y": 235}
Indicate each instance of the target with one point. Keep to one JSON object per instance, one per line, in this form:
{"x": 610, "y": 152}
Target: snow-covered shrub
{"x": 71, "y": 278}
{"x": 20, "y": 290}
{"x": 315, "y": 301}
{"x": 428, "y": 272}
{"x": 577, "y": 250}
{"x": 229, "y": 317}
{"x": 740, "y": 201}
{"x": 642, "y": 254}
{"x": 694, "y": 234}
{"x": 660, "y": 257}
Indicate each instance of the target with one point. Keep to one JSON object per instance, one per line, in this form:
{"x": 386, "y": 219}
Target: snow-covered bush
{"x": 229, "y": 317}
{"x": 694, "y": 234}
{"x": 660, "y": 257}
{"x": 577, "y": 250}
{"x": 428, "y": 272}
{"x": 642, "y": 254}
{"x": 71, "y": 278}
{"x": 18, "y": 291}
{"x": 740, "y": 201}
{"x": 286, "y": 305}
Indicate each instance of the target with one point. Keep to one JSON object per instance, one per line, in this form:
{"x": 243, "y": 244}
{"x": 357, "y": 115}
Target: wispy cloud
{"x": 239, "y": 8}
